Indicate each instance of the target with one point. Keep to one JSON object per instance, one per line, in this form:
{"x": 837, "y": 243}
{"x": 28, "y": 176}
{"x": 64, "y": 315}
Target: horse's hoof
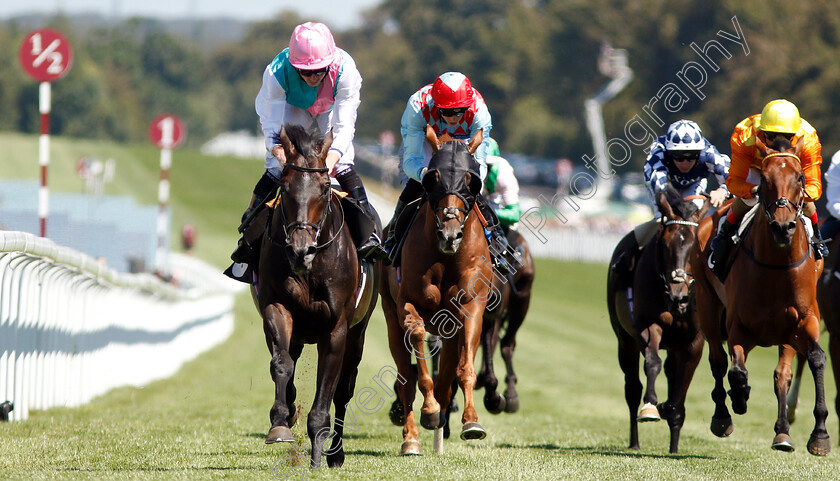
{"x": 494, "y": 403}
{"x": 783, "y": 442}
{"x": 648, "y": 413}
{"x": 473, "y": 430}
{"x": 411, "y": 448}
{"x": 432, "y": 421}
{"x": 397, "y": 414}
{"x": 279, "y": 434}
{"x": 722, "y": 427}
{"x": 511, "y": 403}
{"x": 819, "y": 446}
{"x": 336, "y": 460}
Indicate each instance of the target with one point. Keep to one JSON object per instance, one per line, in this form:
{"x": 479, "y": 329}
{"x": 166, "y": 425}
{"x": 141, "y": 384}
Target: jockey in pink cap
{"x": 312, "y": 82}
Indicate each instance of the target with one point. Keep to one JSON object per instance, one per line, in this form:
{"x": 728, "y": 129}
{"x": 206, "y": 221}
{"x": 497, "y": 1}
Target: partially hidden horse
{"x": 769, "y": 297}
{"x": 828, "y": 298}
{"x": 652, "y": 311}
{"x": 508, "y": 315}
{"x": 442, "y": 288}
{"x": 309, "y": 277}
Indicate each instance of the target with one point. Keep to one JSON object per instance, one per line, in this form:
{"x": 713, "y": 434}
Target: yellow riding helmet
{"x": 780, "y": 116}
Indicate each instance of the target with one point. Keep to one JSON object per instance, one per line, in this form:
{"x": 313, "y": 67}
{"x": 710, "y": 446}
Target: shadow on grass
{"x": 608, "y": 451}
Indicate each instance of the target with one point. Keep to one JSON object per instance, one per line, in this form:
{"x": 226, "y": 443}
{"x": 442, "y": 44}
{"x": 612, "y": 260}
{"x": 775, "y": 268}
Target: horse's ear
{"x": 325, "y": 145}
{"x": 707, "y": 204}
{"x": 799, "y": 147}
{"x": 476, "y": 141}
{"x": 283, "y": 140}
{"x": 664, "y": 205}
{"x": 760, "y": 145}
{"x": 432, "y": 139}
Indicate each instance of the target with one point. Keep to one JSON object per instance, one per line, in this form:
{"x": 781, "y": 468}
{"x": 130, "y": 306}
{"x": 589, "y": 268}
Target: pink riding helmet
{"x": 311, "y": 47}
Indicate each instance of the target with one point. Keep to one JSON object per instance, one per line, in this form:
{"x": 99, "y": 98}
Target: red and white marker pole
{"x": 166, "y": 132}
{"x": 45, "y": 92}
{"x": 45, "y": 55}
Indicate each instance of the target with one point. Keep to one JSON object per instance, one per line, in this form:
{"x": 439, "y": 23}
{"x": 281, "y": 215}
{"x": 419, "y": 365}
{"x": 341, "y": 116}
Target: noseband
{"x": 290, "y": 228}
{"x": 450, "y": 213}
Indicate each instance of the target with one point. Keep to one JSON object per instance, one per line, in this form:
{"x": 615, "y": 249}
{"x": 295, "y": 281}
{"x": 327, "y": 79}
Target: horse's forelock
{"x": 305, "y": 142}
{"x": 681, "y": 207}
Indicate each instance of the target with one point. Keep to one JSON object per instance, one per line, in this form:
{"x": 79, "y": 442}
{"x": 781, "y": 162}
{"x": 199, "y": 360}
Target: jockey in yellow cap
{"x": 779, "y": 117}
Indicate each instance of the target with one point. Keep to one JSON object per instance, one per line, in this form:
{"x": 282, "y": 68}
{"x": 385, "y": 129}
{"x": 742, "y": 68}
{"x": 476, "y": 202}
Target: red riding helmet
{"x": 452, "y": 90}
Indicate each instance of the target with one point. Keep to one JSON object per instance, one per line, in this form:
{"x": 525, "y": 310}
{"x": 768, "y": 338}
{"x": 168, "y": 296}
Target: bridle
{"x": 677, "y": 276}
{"x": 796, "y": 209}
{"x": 290, "y": 228}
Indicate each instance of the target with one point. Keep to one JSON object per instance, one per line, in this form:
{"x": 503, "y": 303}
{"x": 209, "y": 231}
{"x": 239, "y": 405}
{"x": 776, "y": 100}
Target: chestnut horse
{"x": 442, "y": 288}
{"x": 308, "y": 279}
{"x": 652, "y": 311}
{"x": 508, "y": 314}
{"x": 769, "y": 298}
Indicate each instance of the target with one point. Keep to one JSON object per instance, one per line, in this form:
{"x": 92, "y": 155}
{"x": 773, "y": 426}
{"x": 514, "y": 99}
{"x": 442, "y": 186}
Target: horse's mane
{"x": 305, "y": 142}
{"x": 781, "y": 144}
{"x": 681, "y": 207}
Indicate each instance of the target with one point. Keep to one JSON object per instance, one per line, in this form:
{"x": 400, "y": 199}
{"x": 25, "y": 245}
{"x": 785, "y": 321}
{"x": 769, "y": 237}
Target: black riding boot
{"x": 412, "y": 191}
{"x": 496, "y": 239}
{"x": 265, "y": 188}
{"x": 371, "y": 249}
{"x": 721, "y": 247}
{"x": 391, "y": 242}
{"x": 820, "y": 249}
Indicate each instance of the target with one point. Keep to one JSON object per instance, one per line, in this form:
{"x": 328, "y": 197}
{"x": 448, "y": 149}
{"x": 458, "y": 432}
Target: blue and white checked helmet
{"x": 684, "y": 135}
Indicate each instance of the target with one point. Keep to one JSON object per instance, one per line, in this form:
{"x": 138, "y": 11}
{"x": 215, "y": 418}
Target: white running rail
{"x": 72, "y": 328}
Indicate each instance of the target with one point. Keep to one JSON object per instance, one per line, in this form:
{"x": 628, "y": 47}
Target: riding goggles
{"x": 309, "y": 73}
{"x": 453, "y": 112}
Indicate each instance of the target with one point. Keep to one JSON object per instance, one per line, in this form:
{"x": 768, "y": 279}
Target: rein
{"x": 757, "y": 262}
{"x": 289, "y": 228}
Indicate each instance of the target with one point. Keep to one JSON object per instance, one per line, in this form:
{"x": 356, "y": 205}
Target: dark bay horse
{"x": 507, "y": 315}
{"x": 653, "y": 312}
{"x": 308, "y": 281}
{"x": 442, "y": 288}
{"x": 769, "y": 298}
{"x": 828, "y": 297}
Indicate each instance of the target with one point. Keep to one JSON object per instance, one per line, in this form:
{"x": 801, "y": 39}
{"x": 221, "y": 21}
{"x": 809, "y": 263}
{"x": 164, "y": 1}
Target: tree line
{"x": 534, "y": 61}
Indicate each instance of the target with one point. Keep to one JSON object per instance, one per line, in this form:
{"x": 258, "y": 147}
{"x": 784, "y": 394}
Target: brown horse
{"x": 769, "y": 298}
{"x": 309, "y": 277}
{"x": 657, "y": 315}
{"x": 442, "y": 288}
{"x": 509, "y": 314}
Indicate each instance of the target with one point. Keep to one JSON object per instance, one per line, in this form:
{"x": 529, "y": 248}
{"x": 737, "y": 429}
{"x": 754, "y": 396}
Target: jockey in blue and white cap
{"x": 684, "y": 159}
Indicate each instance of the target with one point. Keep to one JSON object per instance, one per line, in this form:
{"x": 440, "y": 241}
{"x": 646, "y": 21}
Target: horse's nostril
{"x": 791, "y": 227}
{"x": 311, "y": 250}
{"x": 459, "y": 235}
